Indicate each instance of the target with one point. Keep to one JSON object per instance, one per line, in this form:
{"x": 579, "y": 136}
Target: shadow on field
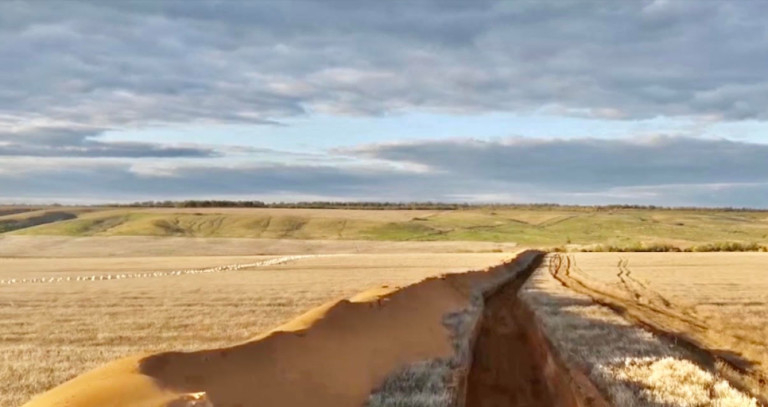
{"x": 605, "y": 345}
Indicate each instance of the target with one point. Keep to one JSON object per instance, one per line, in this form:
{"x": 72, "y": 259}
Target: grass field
{"x": 714, "y": 303}
{"x": 541, "y": 226}
{"x": 724, "y": 286}
{"x": 51, "y": 332}
{"x": 148, "y": 246}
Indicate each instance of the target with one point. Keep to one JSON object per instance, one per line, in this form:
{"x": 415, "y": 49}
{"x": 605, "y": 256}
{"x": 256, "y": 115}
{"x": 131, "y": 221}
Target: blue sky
{"x": 322, "y": 132}
{"x": 658, "y": 102}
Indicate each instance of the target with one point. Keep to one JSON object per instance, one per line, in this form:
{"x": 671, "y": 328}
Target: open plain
{"x": 50, "y": 332}
{"x": 638, "y": 329}
{"x": 710, "y": 305}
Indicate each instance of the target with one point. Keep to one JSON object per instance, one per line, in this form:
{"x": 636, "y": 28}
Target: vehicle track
{"x": 678, "y": 323}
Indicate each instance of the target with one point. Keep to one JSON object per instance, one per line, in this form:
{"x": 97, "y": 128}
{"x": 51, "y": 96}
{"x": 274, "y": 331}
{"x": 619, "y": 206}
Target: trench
{"x": 512, "y": 362}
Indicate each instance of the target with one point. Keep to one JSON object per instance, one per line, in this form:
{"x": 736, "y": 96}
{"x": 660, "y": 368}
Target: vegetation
{"x": 75, "y": 326}
{"x": 664, "y": 247}
{"x": 11, "y": 223}
{"x": 728, "y": 247}
{"x": 710, "y": 303}
{"x": 616, "y": 229}
{"x": 405, "y": 205}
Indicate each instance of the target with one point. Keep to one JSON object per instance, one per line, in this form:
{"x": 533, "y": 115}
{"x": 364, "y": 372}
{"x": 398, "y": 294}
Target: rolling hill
{"x": 556, "y": 226}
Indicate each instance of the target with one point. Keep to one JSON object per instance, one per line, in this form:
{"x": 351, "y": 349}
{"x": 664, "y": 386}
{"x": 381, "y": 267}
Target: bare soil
{"x": 505, "y": 369}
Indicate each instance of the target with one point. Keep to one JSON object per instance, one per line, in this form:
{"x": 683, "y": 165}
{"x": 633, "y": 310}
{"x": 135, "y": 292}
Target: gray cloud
{"x": 584, "y": 165}
{"x": 95, "y": 181}
{"x": 70, "y": 71}
{"x": 65, "y": 142}
{"x": 116, "y": 63}
{"x": 659, "y": 171}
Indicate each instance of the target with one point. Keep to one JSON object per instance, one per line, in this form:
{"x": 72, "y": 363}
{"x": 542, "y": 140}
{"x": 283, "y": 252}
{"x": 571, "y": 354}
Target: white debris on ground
{"x": 102, "y": 277}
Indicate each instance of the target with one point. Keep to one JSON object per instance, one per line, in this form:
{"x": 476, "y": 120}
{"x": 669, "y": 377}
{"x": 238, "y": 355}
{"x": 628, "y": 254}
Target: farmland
{"x": 74, "y": 326}
{"x": 545, "y": 226}
{"x": 711, "y": 306}
{"x": 82, "y": 286}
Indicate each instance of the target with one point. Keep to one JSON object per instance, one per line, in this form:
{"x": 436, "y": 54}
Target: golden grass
{"x": 727, "y": 291}
{"x": 631, "y": 366}
{"x": 144, "y": 246}
{"x": 673, "y": 382}
{"x": 28, "y": 268}
{"x": 52, "y": 332}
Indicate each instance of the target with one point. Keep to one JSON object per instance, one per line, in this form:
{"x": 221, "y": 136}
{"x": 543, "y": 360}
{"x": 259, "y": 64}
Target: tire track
{"x": 673, "y": 322}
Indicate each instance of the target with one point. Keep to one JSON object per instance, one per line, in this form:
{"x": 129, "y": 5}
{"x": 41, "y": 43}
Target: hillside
{"x": 545, "y": 226}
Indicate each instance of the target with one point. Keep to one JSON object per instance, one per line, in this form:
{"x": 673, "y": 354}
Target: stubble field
{"x": 50, "y": 332}
{"x": 83, "y": 286}
{"x": 709, "y": 309}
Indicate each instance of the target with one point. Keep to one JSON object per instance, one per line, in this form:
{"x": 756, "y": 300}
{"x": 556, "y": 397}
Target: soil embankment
{"x": 333, "y": 356}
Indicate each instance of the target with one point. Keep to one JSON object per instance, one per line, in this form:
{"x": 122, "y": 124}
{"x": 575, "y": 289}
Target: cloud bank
{"x": 115, "y": 63}
{"x": 72, "y": 71}
{"x": 658, "y": 171}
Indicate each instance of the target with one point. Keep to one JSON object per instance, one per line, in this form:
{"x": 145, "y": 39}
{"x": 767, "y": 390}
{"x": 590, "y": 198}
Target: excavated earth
{"x": 345, "y": 353}
{"x": 513, "y": 363}
{"x": 506, "y": 370}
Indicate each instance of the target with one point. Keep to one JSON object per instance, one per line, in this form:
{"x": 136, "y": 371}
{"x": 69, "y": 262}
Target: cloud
{"x": 68, "y": 142}
{"x": 109, "y": 181}
{"x": 658, "y": 171}
{"x": 585, "y": 164}
{"x": 126, "y": 63}
{"x": 69, "y": 72}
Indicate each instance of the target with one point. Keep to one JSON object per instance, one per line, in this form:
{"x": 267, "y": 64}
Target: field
{"x": 714, "y": 286}
{"x": 705, "y": 313}
{"x": 527, "y": 226}
{"x": 74, "y": 326}
{"x": 82, "y": 286}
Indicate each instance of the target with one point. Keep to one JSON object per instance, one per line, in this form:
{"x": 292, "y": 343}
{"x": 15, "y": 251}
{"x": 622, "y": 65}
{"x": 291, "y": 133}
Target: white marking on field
{"x": 218, "y": 269}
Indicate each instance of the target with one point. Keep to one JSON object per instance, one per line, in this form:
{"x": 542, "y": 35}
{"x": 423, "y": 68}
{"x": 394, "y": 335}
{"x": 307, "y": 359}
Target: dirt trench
{"x": 513, "y": 363}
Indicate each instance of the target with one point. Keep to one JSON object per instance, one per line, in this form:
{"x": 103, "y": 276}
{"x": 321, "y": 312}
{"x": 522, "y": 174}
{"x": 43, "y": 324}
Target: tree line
{"x": 427, "y": 205}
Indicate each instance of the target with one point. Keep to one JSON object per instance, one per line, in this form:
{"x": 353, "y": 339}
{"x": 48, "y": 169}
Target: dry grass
{"x": 19, "y": 268}
{"x": 728, "y": 292}
{"x": 148, "y": 246}
{"x": 51, "y": 332}
{"x": 674, "y": 382}
{"x": 631, "y": 366}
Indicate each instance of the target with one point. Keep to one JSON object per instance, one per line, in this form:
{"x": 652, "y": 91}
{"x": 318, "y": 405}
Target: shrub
{"x": 728, "y": 247}
{"x": 665, "y": 247}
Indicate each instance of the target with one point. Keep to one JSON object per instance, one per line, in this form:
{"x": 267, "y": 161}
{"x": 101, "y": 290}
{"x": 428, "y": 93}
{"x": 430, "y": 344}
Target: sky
{"x": 651, "y": 102}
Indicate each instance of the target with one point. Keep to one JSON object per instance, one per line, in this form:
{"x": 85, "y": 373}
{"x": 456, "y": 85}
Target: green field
{"x": 527, "y": 226}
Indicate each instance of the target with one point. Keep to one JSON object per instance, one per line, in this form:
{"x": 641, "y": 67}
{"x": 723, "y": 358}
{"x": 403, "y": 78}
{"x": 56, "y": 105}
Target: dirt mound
{"x": 336, "y": 355}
